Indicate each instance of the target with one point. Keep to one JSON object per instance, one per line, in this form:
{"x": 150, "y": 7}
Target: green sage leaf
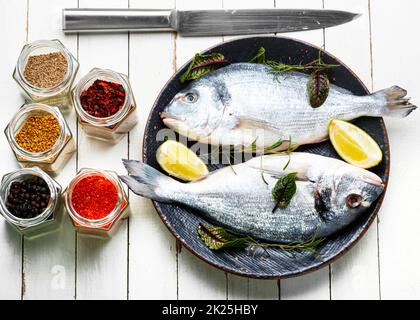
{"x": 284, "y": 190}
{"x": 318, "y": 87}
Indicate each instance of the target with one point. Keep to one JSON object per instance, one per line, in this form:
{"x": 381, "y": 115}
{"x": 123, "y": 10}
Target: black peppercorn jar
{"x": 111, "y": 128}
{"x": 31, "y": 201}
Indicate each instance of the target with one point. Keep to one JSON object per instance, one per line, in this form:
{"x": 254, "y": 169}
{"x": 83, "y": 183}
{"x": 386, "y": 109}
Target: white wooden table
{"x": 143, "y": 260}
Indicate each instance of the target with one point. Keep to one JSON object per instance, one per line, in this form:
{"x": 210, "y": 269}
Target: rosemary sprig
{"x": 217, "y": 238}
{"x": 259, "y": 56}
{"x": 308, "y": 245}
{"x": 230, "y": 164}
{"x": 289, "y": 150}
{"x": 262, "y": 171}
{"x": 316, "y": 65}
{"x": 252, "y": 148}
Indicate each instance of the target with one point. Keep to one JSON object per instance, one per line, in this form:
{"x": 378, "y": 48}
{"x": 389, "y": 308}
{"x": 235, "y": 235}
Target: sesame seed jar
{"x": 103, "y": 226}
{"x": 58, "y": 94}
{"x": 56, "y": 154}
{"x": 49, "y": 220}
{"x": 110, "y": 128}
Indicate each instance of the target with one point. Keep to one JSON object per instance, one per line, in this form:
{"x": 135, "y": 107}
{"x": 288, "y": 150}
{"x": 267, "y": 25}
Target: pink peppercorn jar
{"x": 112, "y": 128}
{"x": 106, "y": 226}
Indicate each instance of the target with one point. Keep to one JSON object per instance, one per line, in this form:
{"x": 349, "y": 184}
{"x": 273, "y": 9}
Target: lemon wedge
{"x": 179, "y": 161}
{"x": 353, "y": 144}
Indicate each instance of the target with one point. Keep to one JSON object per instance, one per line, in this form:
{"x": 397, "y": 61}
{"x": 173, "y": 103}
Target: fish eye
{"x": 354, "y": 200}
{"x": 190, "y": 97}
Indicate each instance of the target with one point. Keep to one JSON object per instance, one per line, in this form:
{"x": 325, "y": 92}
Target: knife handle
{"x": 117, "y": 20}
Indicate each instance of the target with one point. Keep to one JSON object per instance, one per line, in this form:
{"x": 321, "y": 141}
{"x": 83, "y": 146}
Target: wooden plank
{"x": 395, "y": 62}
{"x": 356, "y": 275}
{"x": 316, "y": 284}
{"x": 239, "y": 287}
{"x": 152, "y": 249}
{"x": 13, "y": 17}
{"x": 196, "y": 279}
{"x": 102, "y": 265}
{"x": 48, "y": 267}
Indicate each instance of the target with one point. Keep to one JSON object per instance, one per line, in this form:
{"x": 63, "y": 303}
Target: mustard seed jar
{"x": 38, "y": 224}
{"x": 105, "y": 105}
{"x": 88, "y": 201}
{"x": 34, "y": 73}
{"x": 29, "y": 148}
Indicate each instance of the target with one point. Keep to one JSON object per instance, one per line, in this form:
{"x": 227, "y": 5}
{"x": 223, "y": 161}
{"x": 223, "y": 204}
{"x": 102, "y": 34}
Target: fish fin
{"x": 252, "y": 123}
{"x": 398, "y": 105}
{"x": 138, "y": 168}
{"x": 140, "y": 189}
{"x": 146, "y": 181}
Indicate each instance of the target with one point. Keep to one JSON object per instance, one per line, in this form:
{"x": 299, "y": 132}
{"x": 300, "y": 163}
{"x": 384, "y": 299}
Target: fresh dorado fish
{"x": 330, "y": 195}
{"x": 244, "y": 102}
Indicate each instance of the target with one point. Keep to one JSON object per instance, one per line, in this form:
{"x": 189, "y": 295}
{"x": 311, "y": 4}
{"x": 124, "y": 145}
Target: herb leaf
{"x": 260, "y": 56}
{"x": 275, "y": 145}
{"x": 201, "y": 65}
{"x": 284, "y": 190}
{"x": 318, "y": 87}
{"x": 217, "y": 238}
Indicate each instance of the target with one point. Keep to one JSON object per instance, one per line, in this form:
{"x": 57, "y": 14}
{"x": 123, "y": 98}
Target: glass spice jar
{"x": 58, "y": 92}
{"x": 76, "y": 198}
{"x": 51, "y": 159}
{"x": 49, "y": 220}
{"x": 95, "y": 118}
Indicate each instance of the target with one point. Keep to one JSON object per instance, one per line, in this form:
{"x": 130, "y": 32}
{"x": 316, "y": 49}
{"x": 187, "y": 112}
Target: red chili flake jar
{"x": 105, "y": 105}
{"x": 103, "y": 98}
{"x": 96, "y": 202}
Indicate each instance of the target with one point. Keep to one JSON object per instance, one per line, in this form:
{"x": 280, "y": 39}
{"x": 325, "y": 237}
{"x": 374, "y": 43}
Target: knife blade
{"x": 202, "y": 22}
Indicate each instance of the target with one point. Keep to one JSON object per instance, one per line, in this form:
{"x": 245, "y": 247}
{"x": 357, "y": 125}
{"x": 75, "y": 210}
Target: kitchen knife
{"x": 202, "y": 22}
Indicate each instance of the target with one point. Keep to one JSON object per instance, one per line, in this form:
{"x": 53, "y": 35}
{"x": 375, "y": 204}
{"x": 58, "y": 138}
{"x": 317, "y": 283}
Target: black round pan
{"x": 183, "y": 222}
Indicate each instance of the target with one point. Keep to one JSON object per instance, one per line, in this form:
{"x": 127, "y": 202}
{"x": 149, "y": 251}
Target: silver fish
{"x": 244, "y": 102}
{"x": 330, "y": 195}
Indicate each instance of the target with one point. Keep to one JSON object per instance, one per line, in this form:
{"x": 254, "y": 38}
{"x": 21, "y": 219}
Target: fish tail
{"x": 146, "y": 181}
{"x": 398, "y": 106}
